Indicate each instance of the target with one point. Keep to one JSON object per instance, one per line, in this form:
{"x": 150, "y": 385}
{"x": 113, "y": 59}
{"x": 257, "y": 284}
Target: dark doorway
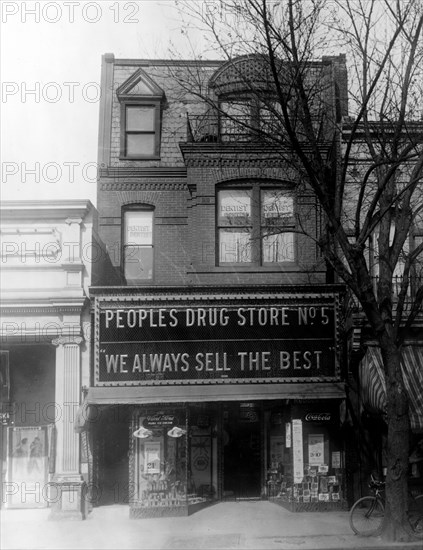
{"x": 241, "y": 454}
{"x": 111, "y": 443}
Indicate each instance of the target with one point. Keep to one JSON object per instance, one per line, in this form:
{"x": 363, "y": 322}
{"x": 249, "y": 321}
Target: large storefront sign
{"x": 256, "y": 341}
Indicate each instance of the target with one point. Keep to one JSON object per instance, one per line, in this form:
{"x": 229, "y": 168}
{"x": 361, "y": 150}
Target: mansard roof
{"x": 254, "y": 72}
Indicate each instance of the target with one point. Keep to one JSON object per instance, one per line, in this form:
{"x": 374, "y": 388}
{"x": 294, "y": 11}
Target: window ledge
{"x": 280, "y": 268}
{"x": 154, "y": 157}
{"x": 141, "y": 282}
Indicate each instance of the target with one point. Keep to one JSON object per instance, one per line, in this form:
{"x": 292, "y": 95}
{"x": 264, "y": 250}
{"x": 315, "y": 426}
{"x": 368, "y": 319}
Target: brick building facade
{"x": 367, "y": 385}
{"x": 218, "y": 365}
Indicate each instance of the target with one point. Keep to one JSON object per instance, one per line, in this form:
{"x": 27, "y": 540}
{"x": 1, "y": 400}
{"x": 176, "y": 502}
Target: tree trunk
{"x": 396, "y": 506}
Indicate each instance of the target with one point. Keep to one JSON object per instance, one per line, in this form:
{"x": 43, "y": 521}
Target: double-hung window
{"x": 141, "y": 135}
{"x": 255, "y": 226}
{"x": 398, "y": 271}
{"x": 235, "y": 227}
{"x": 277, "y": 222}
{"x": 138, "y": 245}
{"x": 270, "y": 117}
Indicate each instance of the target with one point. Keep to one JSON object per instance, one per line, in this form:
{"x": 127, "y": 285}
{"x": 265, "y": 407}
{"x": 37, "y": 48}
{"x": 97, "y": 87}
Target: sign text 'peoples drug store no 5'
{"x": 199, "y": 344}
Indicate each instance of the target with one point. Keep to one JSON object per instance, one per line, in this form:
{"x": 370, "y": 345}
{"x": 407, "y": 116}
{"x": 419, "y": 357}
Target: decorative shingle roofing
{"x": 242, "y": 73}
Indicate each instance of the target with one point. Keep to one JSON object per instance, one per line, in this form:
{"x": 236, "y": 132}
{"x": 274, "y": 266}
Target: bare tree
{"x": 303, "y": 118}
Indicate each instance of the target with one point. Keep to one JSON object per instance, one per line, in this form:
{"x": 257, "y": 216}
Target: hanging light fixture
{"x": 176, "y": 432}
{"x": 142, "y": 433}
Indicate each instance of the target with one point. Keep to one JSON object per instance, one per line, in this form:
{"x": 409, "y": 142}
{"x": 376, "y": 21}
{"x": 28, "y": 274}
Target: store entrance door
{"x": 241, "y": 452}
{"x": 112, "y": 447}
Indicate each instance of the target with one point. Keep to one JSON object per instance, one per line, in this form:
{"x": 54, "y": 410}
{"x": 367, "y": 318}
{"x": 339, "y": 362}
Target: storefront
{"x": 45, "y": 355}
{"x": 210, "y": 396}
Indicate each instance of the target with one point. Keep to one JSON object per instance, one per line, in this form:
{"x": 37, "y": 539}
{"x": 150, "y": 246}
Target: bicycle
{"x": 367, "y": 514}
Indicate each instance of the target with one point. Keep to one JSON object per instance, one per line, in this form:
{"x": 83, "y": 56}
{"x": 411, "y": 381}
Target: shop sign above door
{"x": 318, "y": 417}
{"x": 160, "y": 419}
{"x": 260, "y": 342}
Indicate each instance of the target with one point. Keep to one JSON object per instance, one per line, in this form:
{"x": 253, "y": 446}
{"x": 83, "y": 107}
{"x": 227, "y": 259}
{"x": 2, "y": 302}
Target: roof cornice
{"x": 170, "y": 62}
{"x": 140, "y": 172}
{"x": 36, "y": 209}
{"x": 228, "y": 290}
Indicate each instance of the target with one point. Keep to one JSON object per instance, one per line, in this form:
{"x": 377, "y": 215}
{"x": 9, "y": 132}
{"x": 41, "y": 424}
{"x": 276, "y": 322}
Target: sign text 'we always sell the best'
{"x": 203, "y": 343}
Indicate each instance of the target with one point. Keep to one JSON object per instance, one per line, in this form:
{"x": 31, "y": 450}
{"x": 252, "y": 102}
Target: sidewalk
{"x": 226, "y": 525}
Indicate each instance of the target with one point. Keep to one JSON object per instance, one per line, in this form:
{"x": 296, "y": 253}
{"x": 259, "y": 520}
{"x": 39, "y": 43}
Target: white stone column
{"x": 68, "y": 390}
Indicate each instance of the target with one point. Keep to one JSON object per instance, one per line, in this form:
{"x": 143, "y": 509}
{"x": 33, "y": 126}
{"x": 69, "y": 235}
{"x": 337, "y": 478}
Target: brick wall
{"x": 185, "y": 204}
{"x": 170, "y": 227}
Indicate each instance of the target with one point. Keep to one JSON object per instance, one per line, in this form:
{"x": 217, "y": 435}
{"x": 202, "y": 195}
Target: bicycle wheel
{"x": 366, "y": 516}
{"x": 415, "y": 516}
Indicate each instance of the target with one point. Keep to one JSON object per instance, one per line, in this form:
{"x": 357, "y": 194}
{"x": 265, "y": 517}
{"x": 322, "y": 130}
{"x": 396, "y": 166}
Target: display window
{"x": 183, "y": 457}
{"x": 305, "y": 459}
{"x": 174, "y": 464}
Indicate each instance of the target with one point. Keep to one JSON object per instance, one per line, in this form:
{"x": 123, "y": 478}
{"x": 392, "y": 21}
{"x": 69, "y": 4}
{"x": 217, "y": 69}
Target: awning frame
{"x": 147, "y": 395}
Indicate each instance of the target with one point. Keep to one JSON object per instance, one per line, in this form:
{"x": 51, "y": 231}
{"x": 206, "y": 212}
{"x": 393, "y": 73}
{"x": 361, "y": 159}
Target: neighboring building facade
{"x": 46, "y": 260}
{"x": 367, "y": 378}
{"x": 218, "y": 368}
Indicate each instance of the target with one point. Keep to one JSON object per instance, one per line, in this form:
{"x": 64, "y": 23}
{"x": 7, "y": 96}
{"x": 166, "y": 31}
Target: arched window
{"x": 138, "y": 247}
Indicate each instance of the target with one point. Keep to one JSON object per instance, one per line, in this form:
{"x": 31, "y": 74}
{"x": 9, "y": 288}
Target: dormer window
{"x": 142, "y": 131}
{"x": 247, "y": 119}
{"x": 249, "y": 108}
{"x": 141, "y": 104}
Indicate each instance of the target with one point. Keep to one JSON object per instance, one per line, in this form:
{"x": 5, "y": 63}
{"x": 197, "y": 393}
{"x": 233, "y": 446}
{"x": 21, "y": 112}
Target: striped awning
{"x": 373, "y": 385}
